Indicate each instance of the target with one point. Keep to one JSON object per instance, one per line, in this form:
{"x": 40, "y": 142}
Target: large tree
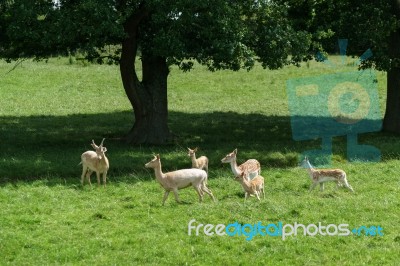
{"x": 217, "y": 33}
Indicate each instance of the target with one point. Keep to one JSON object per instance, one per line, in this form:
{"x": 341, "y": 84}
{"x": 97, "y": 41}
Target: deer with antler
{"x": 95, "y": 161}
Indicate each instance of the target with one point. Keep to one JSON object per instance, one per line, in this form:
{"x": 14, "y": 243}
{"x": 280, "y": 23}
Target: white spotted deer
{"x": 251, "y": 166}
{"x": 199, "y": 163}
{"x": 320, "y": 176}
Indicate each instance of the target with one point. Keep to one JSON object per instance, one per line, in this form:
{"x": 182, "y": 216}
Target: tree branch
{"x": 17, "y": 64}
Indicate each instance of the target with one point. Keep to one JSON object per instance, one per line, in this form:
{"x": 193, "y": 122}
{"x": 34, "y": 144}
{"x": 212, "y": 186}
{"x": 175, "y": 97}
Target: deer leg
{"x": 165, "y": 197}
{"x": 205, "y": 189}
{"x": 104, "y": 178}
{"x": 84, "y": 170}
{"x": 88, "y": 174}
{"x": 176, "y": 195}
{"x": 199, "y": 192}
{"x": 98, "y": 178}
{"x": 346, "y": 184}
{"x": 321, "y": 186}
{"x": 257, "y": 195}
{"x": 313, "y": 185}
{"x": 246, "y": 195}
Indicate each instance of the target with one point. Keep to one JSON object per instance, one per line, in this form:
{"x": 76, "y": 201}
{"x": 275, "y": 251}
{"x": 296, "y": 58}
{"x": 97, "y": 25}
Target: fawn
{"x": 253, "y": 187}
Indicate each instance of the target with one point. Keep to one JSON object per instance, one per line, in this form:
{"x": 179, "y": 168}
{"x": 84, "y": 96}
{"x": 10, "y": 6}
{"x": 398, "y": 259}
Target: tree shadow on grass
{"x": 37, "y": 147}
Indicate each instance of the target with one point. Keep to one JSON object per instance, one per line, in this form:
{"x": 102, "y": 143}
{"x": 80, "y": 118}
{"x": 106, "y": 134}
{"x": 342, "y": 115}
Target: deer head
{"x": 100, "y": 150}
{"x": 191, "y": 152}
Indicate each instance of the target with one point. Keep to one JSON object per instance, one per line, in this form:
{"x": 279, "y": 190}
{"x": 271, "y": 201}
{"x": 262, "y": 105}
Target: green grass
{"x": 50, "y": 112}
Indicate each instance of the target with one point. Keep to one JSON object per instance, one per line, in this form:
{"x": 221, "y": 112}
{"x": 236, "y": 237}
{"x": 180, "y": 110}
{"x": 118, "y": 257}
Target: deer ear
{"x": 195, "y": 149}
{"x": 158, "y": 156}
{"x": 235, "y": 151}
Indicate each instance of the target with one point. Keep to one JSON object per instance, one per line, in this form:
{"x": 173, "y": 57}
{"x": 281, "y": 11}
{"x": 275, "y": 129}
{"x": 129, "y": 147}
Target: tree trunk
{"x": 391, "y": 121}
{"x": 149, "y": 96}
{"x": 151, "y": 119}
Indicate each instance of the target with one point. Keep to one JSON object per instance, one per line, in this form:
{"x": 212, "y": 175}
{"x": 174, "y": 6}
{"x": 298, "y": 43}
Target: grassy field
{"x": 50, "y": 112}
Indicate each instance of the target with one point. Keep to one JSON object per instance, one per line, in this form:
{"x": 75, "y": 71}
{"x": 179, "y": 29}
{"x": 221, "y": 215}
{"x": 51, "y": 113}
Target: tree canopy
{"x": 219, "y": 34}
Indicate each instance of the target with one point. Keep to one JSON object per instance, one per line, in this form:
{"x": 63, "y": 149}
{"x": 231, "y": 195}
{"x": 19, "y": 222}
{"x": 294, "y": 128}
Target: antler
{"x": 101, "y": 144}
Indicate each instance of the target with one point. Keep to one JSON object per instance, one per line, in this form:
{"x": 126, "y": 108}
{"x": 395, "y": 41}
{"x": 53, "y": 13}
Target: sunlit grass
{"x": 50, "y": 112}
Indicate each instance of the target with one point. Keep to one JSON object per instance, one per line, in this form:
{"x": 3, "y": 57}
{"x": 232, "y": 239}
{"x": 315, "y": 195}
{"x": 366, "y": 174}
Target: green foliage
{"x": 25, "y": 28}
{"x": 218, "y": 34}
{"x": 274, "y": 39}
{"x": 366, "y": 25}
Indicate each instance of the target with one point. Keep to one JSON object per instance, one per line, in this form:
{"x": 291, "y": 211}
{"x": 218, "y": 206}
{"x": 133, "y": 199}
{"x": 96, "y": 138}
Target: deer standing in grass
{"x": 173, "y": 181}
{"x": 252, "y": 166}
{"x": 320, "y": 176}
{"x": 95, "y": 161}
{"x": 199, "y": 163}
{"x": 254, "y": 186}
